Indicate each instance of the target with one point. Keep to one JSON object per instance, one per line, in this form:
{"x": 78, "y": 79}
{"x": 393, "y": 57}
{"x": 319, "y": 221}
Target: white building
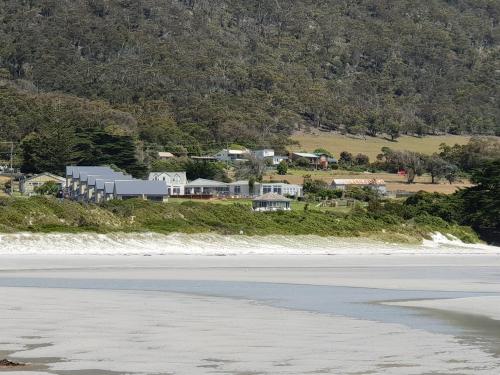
{"x": 281, "y": 189}
{"x": 263, "y": 154}
{"x": 271, "y": 202}
{"x": 176, "y": 181}
{"x": 229, "y": 155}
{"x": 203, "y": 186}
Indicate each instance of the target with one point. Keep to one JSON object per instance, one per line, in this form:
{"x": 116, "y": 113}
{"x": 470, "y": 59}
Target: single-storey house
{"x": 28, "y": 185}
{"x": 202, "y": 186}
{"x": 376, "y": 184}
{"x": 175, "y": 181}
{"x": 148, "y": 190}
{"x": 271, "y": 202}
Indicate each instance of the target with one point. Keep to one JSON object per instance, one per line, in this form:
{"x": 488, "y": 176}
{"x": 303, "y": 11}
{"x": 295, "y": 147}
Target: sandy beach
{"x": 251, "y": 313}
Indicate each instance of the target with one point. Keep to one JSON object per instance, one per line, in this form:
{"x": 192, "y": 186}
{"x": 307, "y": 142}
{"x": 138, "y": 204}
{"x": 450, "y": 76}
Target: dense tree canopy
{"x": 198, "y": 73}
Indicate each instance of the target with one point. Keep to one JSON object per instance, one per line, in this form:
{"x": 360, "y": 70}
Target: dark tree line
{"x": 203, "y": 72}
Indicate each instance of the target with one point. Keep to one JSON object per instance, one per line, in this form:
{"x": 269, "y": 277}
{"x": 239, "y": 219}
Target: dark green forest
{"x": 191, "y": 75}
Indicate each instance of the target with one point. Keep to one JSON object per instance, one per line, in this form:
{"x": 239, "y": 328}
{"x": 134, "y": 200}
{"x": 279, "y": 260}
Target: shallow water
{"x": 360, "y": 303}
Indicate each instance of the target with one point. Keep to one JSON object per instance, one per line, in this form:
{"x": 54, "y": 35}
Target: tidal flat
{"x": 372, "y": 313}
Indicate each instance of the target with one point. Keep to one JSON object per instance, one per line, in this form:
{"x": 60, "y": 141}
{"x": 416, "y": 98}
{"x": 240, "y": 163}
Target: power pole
{"x": 11, "y": 169}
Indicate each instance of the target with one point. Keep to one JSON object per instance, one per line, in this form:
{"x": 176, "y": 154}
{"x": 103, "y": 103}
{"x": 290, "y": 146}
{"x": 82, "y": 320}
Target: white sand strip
{"x": 488, "y": 306}
{"x": 148, "y": 333}
{"x": 417, "y": 272}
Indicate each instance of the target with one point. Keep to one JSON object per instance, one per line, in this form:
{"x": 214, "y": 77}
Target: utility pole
{"x": 11, "y": 169}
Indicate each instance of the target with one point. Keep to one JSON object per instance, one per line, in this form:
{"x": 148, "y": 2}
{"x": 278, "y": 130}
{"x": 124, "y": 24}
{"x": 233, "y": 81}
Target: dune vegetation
{"x": 45, "y": 214}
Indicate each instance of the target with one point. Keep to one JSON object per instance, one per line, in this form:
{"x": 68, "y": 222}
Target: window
{"x": 176, "y": 191}
{"x": 267, "y": 189}
{"x": 237, "y": 190}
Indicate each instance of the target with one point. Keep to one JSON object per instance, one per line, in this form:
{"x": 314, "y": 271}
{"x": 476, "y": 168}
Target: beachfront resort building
{"x": 271, "y": 202}
{"x": 241, "y": 189}
{"x": 97, "y": 184}
{"x": 142, "y": 189}
{"x": 203, "y": 186}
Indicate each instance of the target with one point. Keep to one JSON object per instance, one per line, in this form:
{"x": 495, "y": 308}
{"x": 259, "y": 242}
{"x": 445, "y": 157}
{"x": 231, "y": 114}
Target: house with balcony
{"x": 176, "y": 181}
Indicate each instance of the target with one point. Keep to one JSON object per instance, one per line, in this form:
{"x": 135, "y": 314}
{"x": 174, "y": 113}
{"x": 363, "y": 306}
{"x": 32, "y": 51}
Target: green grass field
{"x": 336, "y": 143}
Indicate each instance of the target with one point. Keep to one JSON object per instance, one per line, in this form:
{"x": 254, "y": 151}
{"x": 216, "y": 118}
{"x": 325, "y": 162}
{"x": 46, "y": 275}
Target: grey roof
{"x": 85, "y": 176}
{"x": 203, "y": 182}
{"x": 109, "y": 187}
{"x": 75, "y": 171}
{"x": 139, "y": 187}
{"x": 100, "y": 182}
{"x": 272, "y": 197}
{"x": 306, "y": 155}
{"x": 92, "y": 179}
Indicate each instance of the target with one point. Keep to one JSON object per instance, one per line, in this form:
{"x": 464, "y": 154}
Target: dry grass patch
{"x": 394, "y": 182}
{"x": 336, "y": 143}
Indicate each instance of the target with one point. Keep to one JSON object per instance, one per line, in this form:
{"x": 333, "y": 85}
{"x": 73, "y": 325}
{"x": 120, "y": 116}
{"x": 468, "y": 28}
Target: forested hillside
{"x": 198, "y": 73}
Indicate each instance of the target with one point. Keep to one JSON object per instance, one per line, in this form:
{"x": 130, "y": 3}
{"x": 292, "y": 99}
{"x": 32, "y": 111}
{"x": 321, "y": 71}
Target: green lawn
{"x": 296, "y": 205}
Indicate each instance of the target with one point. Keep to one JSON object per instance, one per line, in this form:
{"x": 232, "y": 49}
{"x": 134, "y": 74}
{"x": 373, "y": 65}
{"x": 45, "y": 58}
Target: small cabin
{"x": 29, "y": 185}
{"x": 271, "y": 202}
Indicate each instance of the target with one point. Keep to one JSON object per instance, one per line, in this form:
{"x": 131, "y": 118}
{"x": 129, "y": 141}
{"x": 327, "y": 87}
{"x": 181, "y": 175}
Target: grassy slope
{"x": 336, "y": 143}
{"x": 40, "y": 214}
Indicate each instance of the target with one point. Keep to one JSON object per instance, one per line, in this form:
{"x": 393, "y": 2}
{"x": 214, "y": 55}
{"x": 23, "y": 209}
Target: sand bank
{"x": 488, "y": 306}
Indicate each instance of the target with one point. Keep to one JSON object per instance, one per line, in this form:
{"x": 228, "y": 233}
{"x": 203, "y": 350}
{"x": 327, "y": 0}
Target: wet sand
{"x": 200, "y": 330}
{"x": 161, "y": 333}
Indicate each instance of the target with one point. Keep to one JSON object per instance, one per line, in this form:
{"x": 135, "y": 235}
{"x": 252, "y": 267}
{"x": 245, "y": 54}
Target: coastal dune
{"x": 215, "y": 244}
